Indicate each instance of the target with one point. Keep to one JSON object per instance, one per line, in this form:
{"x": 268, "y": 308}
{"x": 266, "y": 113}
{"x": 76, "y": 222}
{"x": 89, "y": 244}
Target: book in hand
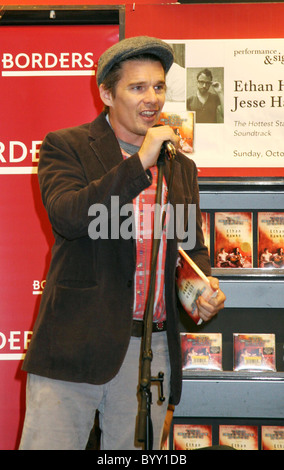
{"x": 254, "y": 352}
{"x": 191, "y": 283}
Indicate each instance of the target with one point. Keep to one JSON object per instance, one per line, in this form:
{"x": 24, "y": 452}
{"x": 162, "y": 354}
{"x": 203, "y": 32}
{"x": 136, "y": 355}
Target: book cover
{"x": 183, "y": 126}
{"x": 166, "y": 444}
{"x": 206, "y": 229}
{"x": 254, "y": 352}
{"x": 270, "y": 241}
{"x": 191, "y": 283}
{"x": 201, "y": 351}
{"x": 272, "y": 437}
{"x": 191, "y": 436}
{"x": 239, "y": 437}
{"x": 233, "y": 240}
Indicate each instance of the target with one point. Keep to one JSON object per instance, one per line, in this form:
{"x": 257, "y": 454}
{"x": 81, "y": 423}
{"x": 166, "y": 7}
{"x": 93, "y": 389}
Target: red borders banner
{"x": 209, "y": 21}
{"x": 48, "y": 81}
{"x": 47, "y": 76}
{"x": 243, "y": 46}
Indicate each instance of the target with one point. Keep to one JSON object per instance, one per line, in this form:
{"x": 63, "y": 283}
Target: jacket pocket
{"x": 73, "y": 322}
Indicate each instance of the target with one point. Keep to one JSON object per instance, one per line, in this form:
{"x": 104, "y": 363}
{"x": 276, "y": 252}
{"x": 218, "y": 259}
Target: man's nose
{"x": 151, "y": 95}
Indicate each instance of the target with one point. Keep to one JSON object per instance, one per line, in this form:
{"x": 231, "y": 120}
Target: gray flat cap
{"x": 132, "y": 47}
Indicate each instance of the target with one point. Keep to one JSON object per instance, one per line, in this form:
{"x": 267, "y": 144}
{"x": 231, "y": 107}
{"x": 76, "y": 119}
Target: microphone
{"x": 167, "y": 151}
{"x": 170, "y": 148}
{"x": 167, "y": 147}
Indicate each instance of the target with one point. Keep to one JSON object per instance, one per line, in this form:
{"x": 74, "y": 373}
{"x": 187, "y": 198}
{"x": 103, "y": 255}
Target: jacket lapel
{"x": 176, "y": 195}
{"x": 100, "y": 133}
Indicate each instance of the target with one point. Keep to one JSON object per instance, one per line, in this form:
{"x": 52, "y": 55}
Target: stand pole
{"x": 145, "y": 429}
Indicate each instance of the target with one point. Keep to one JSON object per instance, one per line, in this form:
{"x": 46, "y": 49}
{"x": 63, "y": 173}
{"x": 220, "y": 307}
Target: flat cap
{"x": 132, "y": 47}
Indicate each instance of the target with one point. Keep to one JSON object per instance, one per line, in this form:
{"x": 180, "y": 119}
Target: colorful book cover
{"x": 270, "y": 242}
{"x": 183, "y": 126}
{"x": 239, "y": 437}
{"x": 272, "y": 437}
{"x": 233, "y": 240}
{"x": 201, "y": 351}
{"x": 254, "y": 352}
{"x": 191, "y": 283}
{"x": 206, "y": 229}
{"x": 191, "y": 436}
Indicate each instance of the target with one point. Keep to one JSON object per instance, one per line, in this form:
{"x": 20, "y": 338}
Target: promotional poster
{"x": 235, "y": 88}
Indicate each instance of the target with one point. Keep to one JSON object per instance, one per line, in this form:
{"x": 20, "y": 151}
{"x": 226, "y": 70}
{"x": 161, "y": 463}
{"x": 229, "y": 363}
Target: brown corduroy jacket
{"x": 84, "y": 323}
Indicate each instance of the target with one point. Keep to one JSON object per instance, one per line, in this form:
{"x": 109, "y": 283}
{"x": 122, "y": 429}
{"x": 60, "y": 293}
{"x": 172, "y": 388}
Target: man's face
{"x": 203, "y": 84}
{"x": 138, "y": 101}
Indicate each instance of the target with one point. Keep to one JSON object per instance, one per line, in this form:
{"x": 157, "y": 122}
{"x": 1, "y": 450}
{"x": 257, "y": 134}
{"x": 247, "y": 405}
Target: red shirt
{"x": 144, "y": 222}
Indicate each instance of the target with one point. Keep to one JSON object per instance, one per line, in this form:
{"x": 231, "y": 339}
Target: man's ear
{"x": 105, "y": 95}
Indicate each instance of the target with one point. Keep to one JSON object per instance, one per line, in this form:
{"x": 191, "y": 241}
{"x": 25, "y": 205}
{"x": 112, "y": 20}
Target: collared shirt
{"x": 144, "y": 224}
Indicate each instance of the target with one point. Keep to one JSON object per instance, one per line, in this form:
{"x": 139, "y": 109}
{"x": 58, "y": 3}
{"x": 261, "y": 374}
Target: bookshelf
{"x": 255, "y": 304}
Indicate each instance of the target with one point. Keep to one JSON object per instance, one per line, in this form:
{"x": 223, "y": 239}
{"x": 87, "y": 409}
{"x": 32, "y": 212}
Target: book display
{"x": 192, "y": 435}
{"x": 244, "y": 239}
{"x": 251, "y": 352}
{"x": 244, "y": 386}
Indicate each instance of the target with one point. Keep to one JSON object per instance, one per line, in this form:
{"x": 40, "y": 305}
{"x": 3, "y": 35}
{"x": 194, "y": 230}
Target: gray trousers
{"x": 60, "y": 415}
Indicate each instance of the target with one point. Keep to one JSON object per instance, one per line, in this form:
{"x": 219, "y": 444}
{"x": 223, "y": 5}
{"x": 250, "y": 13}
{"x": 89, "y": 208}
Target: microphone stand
{"x": 145, "y": 429}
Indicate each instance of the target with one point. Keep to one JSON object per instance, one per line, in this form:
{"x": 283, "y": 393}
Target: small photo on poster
{"x": 205, "y": 94}
{"x": 182, "y": 124}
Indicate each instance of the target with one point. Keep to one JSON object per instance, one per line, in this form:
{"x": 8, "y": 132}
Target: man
{"x": 208, "y": 106}
{"x": 85, "y": 350}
